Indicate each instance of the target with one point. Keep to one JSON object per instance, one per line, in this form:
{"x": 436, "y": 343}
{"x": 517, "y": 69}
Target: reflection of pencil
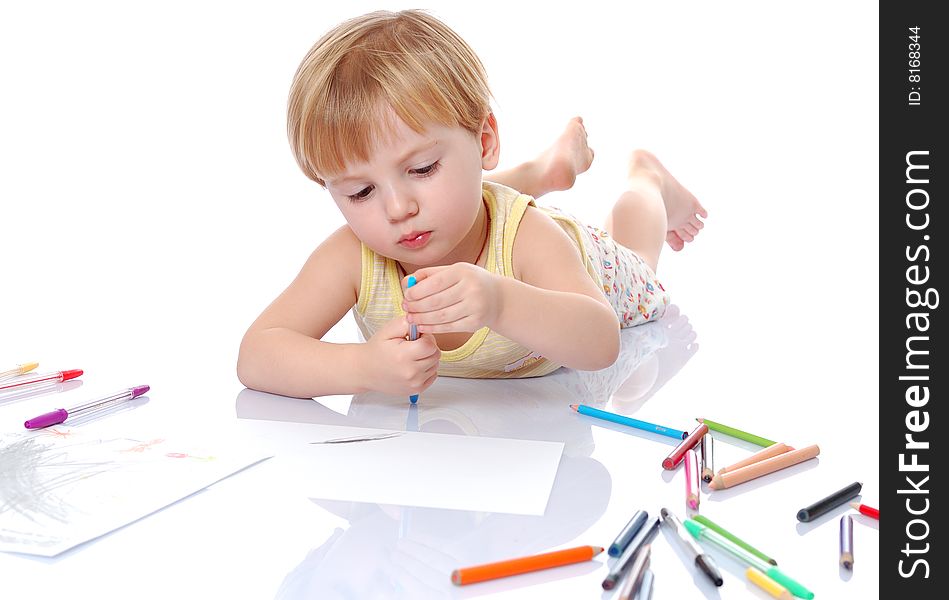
{"x": 763, "y": 467}
{"x": 516, "y": 566}
{"x": 772, "y": 450}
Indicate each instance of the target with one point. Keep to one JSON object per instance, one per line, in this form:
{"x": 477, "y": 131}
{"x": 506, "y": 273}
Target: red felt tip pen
{"x": 57, "y": 377}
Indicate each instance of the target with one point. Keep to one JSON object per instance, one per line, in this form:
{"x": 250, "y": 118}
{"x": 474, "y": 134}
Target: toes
{"x": 695, "y": 222}
{"x": 674, "y": 241}
{"x": 684, "y": 235}
{"x": 693, "y": 231}
{"x": 701, "y": 211}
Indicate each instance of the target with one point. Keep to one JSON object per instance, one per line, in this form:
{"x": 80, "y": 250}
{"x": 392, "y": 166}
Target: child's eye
{"x": 361, "y": 194}
{"x": 427, "y": 171}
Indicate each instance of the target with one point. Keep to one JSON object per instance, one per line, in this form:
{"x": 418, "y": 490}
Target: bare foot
{"x": 682, "y": 208}
{"x": 568, "y": 157}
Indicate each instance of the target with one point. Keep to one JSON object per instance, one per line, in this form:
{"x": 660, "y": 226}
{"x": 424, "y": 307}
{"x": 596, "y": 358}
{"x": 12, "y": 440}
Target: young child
{"x": 390, "y": 113}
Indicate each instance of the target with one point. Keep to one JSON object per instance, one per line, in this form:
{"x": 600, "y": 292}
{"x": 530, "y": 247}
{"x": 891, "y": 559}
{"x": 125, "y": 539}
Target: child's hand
{"x": 399, "y": 366}
{"x": 458, "y": 297}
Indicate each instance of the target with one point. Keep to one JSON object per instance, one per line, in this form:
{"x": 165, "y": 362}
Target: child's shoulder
{"x": 338, "y": 258}
{"x": 539, "y": 240}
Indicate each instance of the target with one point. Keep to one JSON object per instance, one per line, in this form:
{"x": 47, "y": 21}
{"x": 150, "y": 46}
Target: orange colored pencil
{"x": 763, "y": 467}
{"x": 772, "y": 450}
{"x": 526, "y": 564}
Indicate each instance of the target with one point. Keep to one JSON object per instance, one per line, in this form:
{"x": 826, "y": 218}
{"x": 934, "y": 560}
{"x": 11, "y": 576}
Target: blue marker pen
{"x": 413, "y": 335}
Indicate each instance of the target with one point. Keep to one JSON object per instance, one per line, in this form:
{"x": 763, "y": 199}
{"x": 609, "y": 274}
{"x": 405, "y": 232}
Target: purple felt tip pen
{"x": 61, "y": 414}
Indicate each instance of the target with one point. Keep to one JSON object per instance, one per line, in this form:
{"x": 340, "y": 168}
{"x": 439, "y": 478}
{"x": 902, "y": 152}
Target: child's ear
{"x": 490, "y": 143}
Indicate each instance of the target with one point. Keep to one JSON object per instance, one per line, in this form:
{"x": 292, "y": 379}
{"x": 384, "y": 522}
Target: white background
{"x": 150, "y": 206}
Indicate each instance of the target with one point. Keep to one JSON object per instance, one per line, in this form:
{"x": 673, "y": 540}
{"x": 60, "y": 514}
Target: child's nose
{"x": 400, "y": 205}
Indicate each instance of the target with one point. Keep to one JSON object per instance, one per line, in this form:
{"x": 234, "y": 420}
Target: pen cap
{"x": 71, "y": 374}
{"x": 692, "y": 527}
{"x": 45, "y": 420}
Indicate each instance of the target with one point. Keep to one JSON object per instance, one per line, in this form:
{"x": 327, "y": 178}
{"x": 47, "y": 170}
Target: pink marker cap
{"x": 45, "y": 420}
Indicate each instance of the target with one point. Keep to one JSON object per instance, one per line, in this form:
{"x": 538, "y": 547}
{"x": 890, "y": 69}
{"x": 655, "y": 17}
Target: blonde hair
{"x": 408, "y": 61}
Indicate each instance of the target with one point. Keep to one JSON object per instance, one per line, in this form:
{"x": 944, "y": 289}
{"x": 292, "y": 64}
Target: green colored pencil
{"x": 717, "y": 528}
{"x": 738, "y": 433}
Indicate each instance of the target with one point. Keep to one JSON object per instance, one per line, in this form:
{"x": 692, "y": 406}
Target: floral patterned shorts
{"x": 628, "y": 283}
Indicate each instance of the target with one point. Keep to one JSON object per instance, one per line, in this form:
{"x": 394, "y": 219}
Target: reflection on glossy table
{"x": 256, "y": 535}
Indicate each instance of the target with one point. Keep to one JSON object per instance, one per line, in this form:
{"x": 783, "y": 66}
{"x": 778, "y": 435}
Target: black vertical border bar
{"x": 904, "y": 128}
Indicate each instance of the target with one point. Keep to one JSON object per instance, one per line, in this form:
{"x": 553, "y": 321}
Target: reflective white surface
{"x": 151, "y": 209}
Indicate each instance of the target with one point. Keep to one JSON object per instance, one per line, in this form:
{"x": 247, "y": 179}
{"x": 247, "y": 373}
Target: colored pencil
{"x": 737, "y": 433}
{"x": 772, "y": 587}
{"x": 846, "y": 542}
{"x": 866, "y": 510}
{"x": 734, "y": 538}
{"x": 692, "y": 484}
{"x": 764, "y": 467}
{"x": 526, "y": 564}
{"x": 635, "y": 577}
{"x": 825, "y": 505}
{"x": 678, "y": 453}
{"x": 589, "y": 411}
{"x": 772, "y": 450}
{"x": 626, "y": 535}
{"x": 707, "y": 455}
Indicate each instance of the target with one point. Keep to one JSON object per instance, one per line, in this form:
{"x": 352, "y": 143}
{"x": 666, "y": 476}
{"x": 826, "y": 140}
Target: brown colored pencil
{"x": 772, "y": 450}
{"x": 763, "y": 467}
{"x": 526, "y": 564}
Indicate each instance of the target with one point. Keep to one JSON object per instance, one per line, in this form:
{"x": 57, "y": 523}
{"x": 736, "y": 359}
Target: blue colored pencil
{"x": 413, "y": 334}
{"x": 583, "y": 409}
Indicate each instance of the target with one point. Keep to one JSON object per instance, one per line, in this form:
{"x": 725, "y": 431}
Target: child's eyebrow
{"x": 405, "y": 157}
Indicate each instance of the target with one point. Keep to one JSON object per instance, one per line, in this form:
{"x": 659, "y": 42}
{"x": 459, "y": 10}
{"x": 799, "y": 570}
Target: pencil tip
{"x": 597, "y": 550}
{"x": 700, "y": 419}
{"x": 574, "y": 406}
{"x": 773, "y": 562}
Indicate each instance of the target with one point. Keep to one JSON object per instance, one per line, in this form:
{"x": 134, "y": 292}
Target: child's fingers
{"x": 394, "y": 329}
{"x": 439, "y": 300}
{"x": 420, "y": 289}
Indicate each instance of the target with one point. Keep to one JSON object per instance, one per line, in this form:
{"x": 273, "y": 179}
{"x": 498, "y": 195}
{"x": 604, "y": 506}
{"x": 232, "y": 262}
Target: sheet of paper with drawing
{"x": 414, "y": 469}
{"x": 61, "y": 486}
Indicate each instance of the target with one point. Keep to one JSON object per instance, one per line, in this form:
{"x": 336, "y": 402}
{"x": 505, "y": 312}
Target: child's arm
{"x": 552, "y": 306}
{"x": 282, "y": 352}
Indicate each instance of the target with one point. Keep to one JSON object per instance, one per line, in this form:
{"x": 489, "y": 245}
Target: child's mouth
{"x": 415, "y": 240}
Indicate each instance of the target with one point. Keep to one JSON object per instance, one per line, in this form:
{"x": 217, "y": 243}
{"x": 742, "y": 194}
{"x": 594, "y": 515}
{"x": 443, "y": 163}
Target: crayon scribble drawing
{"x": 60, "y": 487}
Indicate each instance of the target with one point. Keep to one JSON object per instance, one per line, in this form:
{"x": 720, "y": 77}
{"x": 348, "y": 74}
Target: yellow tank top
{"x": 486, "y": 354}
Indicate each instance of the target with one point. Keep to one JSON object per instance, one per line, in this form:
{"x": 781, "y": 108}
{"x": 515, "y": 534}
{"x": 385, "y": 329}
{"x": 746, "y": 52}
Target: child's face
{"x": 417, "y": 198}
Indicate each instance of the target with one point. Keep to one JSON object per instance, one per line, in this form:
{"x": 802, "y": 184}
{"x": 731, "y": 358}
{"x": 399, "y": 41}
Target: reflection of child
{"x": 390, "y": 113}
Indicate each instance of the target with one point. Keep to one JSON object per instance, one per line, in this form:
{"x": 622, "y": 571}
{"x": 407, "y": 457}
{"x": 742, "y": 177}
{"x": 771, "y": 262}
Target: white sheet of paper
{"x": 62, "y": 486}
{"x": 415, "y": 469}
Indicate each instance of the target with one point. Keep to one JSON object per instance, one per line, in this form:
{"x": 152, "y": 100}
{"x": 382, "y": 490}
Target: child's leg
{"x": 654, "y": 209}
{"x": 555, "y": 169}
